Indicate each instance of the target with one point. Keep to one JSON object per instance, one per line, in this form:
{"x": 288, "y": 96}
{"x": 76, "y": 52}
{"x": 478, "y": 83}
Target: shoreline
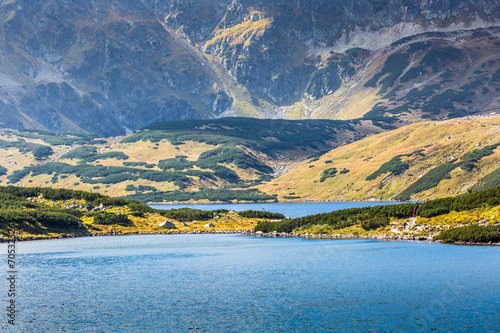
{"x": 259, "y": 234}
{"x": 170, "y": 203}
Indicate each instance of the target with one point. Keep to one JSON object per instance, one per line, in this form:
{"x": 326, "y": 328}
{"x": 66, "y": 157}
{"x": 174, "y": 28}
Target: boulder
{"x": 209, "y": 225}
{"x": 167, "y": 224}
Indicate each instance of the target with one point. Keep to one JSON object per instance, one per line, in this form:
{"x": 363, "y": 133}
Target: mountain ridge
{"x": 109, "y": 67}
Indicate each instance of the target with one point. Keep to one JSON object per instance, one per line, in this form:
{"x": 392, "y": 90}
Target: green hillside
{"x": 418, "y": 162}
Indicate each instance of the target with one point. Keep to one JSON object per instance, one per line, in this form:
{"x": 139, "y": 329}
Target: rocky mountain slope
{"x": 107, "y": 67}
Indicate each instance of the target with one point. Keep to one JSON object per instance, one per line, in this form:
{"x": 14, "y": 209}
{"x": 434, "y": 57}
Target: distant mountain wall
{"x": 108, "y": 67}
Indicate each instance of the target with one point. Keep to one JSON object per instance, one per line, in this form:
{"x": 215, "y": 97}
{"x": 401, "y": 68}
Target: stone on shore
{"x": 209, "y": 225}
{"x": 167, "y": 225}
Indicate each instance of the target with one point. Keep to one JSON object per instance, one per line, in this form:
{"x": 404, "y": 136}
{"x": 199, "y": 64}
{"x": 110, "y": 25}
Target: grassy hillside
{"x": 417, "y": 162}
{"x": 43, "y": 212}
{"x": 473, "y": 217}
{"x": 211, "y": 160}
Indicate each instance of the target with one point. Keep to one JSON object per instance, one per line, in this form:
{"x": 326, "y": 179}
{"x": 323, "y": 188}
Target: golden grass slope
{"x": 141, "y": 151}
{"x": 440, "y": 142}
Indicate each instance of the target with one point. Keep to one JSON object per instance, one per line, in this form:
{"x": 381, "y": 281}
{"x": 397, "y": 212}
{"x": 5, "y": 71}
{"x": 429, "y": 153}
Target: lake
{"x": 292, "y": 209}
{"x": 235, "y": 283}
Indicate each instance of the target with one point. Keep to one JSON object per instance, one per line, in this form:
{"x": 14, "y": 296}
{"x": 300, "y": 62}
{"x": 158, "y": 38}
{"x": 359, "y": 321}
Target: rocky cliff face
{"x": 108, "y": 66}
{"x": 98, "y": 66}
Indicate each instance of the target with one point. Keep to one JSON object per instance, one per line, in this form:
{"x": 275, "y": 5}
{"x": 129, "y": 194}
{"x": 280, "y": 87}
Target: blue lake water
{"x": 292, "y": 209}
{"x": 235, "y": 283}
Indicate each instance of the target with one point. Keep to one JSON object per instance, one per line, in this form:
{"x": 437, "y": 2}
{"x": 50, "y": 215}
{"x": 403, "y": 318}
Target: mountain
{"x": 422, "y": 161}
{"x": 110, "y": 67}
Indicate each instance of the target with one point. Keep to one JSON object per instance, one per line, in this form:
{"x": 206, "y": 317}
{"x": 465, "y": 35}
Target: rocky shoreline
{"x": 259, "y": 234}
{"x": 377, "y": 237}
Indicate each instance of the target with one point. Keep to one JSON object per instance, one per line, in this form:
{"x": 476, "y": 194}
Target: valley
{"x": 226, "y": 161}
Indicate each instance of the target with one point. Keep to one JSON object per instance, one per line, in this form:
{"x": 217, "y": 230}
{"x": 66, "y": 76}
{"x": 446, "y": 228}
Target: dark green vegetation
{"x": 90, "y": 154}
{"x": 328, "y": 173}
{"x": 431, "y": 179}
{"x": 469, "y": 160}
{"x": 261, "y": 214}
{"x": 394, "y": 166}
{"x": 40, "y": 152}
{"x": 214, "y": 195}
{"x": 490, "y": 180}
{"x": 375, "y": 222}
{"x": 393, "y": 68}
{"x": 58, "y": 140}
{"x": 189, "y": 214}
{"x": 473, "y": 233}
{"x": 269, "y": 136}
{"x": 37, "y": 218}
{"x": 374, "y": 217}
{"x": 140, "y": 188}
{"x": 107, "y": 218}
{"x": 95, "y": 174}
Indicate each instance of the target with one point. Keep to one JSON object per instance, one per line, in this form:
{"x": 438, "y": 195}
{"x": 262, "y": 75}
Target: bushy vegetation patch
{"x": 394, "y": 166}
{"x": 488, "y": 181}
{"x": 140, "y": 188}
{"x": 89, "y": 154}
{"x": 81, "y": 153}
{"x": 261, "y": 214}
{"x": 134, "y": 164}
{"x": 215, "y": 195}
{"x": 393, "y": 68}
{"x": 36, "y": 217}
{"x": 178, "y": 163}
{"x": 375, "y": 222}
{"x": 40, "y": 152}
{"x": 473, "y": 233}
{"x": 437, "y": 56}
{"x": 429, "y": 180}
{"x": 108, "y": 218}
{"x": 470, "y": 159}
{"x": 272, "y": 135}
{"x": 328, "y": 173}
{"x": 189, "y": 214}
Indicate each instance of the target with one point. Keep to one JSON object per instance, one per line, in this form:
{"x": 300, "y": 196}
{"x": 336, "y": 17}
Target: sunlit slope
{"x": 195, "y": 160}
{"x": 421, "y": 161}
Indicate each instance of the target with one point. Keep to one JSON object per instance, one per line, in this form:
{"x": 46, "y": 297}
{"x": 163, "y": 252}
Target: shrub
{"x": 394, "y": 166}
{"x": 261, "y": 214}
{"x": 474, "y": 233}
{"x": 328, "y": 173}
{"x": 108, "y": 218}
{"x": 375, "y": 222}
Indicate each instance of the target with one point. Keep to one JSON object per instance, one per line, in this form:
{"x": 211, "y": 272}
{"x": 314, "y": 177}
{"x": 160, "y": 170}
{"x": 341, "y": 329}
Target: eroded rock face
{"x": 98, "y": 66}
{"x": 110, "y": 66}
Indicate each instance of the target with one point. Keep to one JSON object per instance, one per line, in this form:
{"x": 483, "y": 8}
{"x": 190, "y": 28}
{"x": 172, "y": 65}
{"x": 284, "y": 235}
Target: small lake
{"x": 235, "y": 283}
{"x": 291, "y": 209}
